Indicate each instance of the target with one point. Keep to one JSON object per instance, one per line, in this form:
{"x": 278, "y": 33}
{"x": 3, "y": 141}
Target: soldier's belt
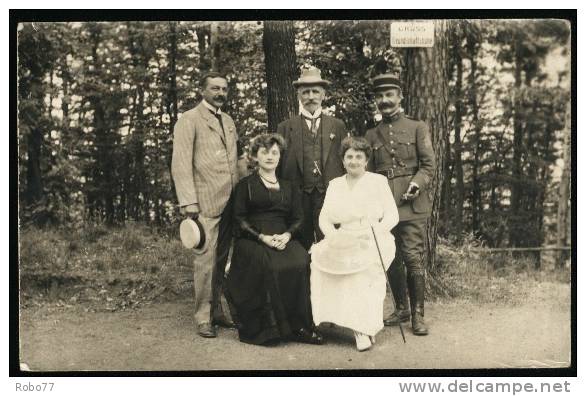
{"x": 393, "y": 173}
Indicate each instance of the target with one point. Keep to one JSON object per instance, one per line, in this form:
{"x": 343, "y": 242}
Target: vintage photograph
{"x": 349, "y": 194}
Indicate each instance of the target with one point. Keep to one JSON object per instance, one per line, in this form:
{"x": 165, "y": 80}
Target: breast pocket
{"x": 406, "y": 145}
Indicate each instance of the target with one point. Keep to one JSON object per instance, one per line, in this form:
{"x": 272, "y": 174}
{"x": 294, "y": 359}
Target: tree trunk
{"x": 476, "y": 126}
{"x": 215, "y": 45}
{"x": 457, "y": 168}
{"x": 281, "y": 67}
{"x": 34, "y": 181}
{"x": 140, "y": 61}
{"x": 563, "y": 215}
{"x": 203, "y": 41}
{"x": 172, "y": 102}
{"x": 172, "y": 59}
{"x": 102, "y": 172}
{"x": 427, "y": 95}
{"x": 518, "y": 149}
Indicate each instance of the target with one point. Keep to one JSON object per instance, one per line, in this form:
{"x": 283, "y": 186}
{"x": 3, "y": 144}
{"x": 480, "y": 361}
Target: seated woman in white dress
{"x": 348, "y": 285}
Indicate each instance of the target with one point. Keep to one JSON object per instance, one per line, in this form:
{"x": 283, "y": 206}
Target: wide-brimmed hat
{"x": 386, "y": 81}
{"x": 310, "y": 76}
{"x": 193, "y": 235}
{"x": 342, "y": 253}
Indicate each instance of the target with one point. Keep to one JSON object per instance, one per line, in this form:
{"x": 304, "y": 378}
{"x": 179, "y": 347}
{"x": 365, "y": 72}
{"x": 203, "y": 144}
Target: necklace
{"x": 267, "y": 180}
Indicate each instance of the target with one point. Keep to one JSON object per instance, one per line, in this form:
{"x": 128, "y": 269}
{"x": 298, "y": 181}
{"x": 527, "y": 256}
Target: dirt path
{"x": 162, "y": 337}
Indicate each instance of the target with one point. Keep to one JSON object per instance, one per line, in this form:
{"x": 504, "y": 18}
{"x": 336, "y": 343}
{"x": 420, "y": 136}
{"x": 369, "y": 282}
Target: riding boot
{"x": 398, "y": 283}
{"x": 417, "y": 294}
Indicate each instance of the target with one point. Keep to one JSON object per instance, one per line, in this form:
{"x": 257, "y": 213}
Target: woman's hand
{"x": 266, "y": 239}
{"x": 280, "y": 240}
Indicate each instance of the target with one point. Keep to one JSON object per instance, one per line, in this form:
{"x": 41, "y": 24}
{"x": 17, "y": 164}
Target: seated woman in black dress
{"x": 268, "y": 283}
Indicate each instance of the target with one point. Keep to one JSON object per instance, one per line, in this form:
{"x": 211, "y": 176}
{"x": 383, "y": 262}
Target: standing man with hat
{"x": 402, "y": 151}
{"x": 204, "y": 169}
{"x": 312, "y": 157}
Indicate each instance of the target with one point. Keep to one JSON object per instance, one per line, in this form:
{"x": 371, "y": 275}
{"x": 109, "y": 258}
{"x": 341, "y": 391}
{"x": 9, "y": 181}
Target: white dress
{"x": 354, "y": 299}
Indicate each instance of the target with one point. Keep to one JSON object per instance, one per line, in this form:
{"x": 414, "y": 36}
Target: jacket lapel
{"x": 326, "y": 129}
{"x": 212, "y": 121}
{"x": 297, "y": 138}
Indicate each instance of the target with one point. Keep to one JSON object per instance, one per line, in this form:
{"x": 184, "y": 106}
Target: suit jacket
{"x": 404, "y": 144}
{"x": 204, "y": 163}
{"x": 291, "y": 165}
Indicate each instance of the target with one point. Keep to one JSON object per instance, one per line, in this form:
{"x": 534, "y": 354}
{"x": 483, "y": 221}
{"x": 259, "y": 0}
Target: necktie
{"x": 313, "y": 127}
{"x": 219, "y": 117}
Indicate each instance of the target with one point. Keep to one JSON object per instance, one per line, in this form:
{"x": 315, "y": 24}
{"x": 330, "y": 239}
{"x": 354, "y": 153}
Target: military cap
{"x": 386, "y": 81}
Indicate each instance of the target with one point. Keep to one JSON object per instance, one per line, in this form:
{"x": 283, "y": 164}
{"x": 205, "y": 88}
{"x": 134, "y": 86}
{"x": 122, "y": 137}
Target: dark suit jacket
{"x": 291, "y": 165}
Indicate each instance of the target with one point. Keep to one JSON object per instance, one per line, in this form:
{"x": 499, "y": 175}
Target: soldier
{"x": 402, "y": 152}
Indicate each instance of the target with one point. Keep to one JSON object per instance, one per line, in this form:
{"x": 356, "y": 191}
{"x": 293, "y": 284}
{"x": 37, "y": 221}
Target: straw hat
{"x": 343, "y": 253}
{"x": 310, "y": 76}
{"x": 193, "y": 235}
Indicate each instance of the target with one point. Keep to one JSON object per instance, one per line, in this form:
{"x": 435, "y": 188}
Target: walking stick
{"x": 387, "y": 278}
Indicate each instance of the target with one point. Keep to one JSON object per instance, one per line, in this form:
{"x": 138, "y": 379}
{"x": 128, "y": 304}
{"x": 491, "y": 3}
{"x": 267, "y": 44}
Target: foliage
{"x": 98, "y": 101}
{"x": 349, "y": 53}
{"x": 511, "y": 104}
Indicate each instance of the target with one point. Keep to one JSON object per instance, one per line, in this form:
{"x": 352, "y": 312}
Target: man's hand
{"x": 190, "y": 210}
{"x": 412, "y": 192}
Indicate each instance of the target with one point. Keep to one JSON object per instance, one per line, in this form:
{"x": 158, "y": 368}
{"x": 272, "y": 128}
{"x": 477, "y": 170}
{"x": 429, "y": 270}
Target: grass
{"x": 495, "y": 277}
{"x": 117, "y": 268}
{"x": 133, "y": 262}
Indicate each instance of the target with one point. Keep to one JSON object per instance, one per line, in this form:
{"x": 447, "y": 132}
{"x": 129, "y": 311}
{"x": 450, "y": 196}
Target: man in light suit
{"x": 312, "y": 157}
{"x": 204, "y": 169}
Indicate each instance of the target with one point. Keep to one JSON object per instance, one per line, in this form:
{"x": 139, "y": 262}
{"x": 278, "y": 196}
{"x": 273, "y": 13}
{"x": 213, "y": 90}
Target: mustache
{"x": 220, "y": 97}
{"x": 387, "y": 105}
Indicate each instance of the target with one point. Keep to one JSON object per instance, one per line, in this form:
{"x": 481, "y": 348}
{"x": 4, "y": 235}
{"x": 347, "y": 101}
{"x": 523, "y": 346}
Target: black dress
{"x": 268, "y": 288}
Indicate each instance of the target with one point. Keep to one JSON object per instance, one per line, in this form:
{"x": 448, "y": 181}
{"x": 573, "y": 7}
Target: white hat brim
{"x": 190, "y": 234}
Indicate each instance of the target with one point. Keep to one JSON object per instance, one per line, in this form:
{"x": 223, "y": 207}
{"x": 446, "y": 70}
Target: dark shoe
{"x": 206, "y": 330}
{"x": 418, "y": 324}
{"x": 307, "y": 337}
{"x": 224, "y": 322}
{"x": 399, "y": 316}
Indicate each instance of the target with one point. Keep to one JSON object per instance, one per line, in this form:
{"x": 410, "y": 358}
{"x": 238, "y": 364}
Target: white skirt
{"x": 353, "y": 300}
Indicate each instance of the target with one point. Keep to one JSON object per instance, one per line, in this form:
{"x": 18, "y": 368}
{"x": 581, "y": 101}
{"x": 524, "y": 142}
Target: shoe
{"x": 224, "y": 322}
{"x": 418, "y": 324}
{"x": 206, "y": 330}
{"x": 307, "y": 336}
{"x": 399, "y": 316}
{"x": 372, "y": 339}
{"x": 363, "y": 342}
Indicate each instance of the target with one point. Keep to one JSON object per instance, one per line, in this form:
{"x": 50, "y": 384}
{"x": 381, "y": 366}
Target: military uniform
{"x": 402, "y": 151}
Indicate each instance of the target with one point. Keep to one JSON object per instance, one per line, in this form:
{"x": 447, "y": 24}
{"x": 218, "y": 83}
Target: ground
{"x": 534, "y": 332}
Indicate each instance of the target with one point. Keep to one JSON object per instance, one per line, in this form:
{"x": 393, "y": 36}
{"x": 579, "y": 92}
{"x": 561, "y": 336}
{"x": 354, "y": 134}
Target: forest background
{"x": 97, "y": 103}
